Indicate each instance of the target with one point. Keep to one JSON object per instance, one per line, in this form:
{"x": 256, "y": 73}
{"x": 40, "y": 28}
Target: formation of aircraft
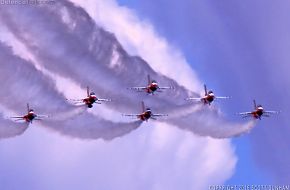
{"x": 258, "y": 112}
{"x": 90, "y": 99}
{"x": 208, "y": 97}
{"x": 151, "y": 88}
{"x": 30, "y": 116}
{"x": 145, "y": 114}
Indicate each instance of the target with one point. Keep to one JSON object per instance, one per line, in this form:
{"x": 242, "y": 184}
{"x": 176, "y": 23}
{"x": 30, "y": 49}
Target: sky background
{"x": 239, "y": 49}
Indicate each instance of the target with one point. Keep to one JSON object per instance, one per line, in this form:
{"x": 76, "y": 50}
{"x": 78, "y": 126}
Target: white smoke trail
{"x": 71, "y": 45}
{"x": 24, "y": 84}
{"x": 88, "y": 126}
{"x": 179, "y": 150}
{"x": 138, "y": 36}
{"x": 95, "y": 68}
{"x": 20, "y": 76}
{"x": 10, "y": 129}
{"x": 199, "y": 123}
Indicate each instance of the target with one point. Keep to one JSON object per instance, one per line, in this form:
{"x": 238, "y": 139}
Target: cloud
{"x": 64, "y": 56}
{"x": 139, "y": 38}
{"x": 152, "y": 157}
{"x": 70, "y": 45}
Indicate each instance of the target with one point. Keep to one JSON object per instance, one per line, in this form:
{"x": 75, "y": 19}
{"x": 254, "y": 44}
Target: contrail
{"x": 24, "y": 84}
{"x": 87, "y": 126}
{"x": 60, "y": 49}
{"x": 206, "y": 123}
{"x": 74, "y": 47}
{"x": 10, "y": 129}
{"x": 39, "y": 90}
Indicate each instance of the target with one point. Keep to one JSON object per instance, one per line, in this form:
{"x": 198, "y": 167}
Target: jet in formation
{"x": 145, "y": 114}
{"x": 258, "y": 112}
{"x": 208, "y": 97}
{"x": 90, "y": 99}
{"x": 151, "y": 88}
{"x": 30, "y": 116}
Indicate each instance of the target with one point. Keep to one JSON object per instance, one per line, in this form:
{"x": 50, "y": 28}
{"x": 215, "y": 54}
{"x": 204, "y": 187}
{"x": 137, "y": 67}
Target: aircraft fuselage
{"x": 29, "y": 117}
{"x": 152, "y": 87}
{"x": 208, "y": 99}
{"x": 145, "y": 116}
{"x": 89, "y": 101}
{"x": 258, "y": 113}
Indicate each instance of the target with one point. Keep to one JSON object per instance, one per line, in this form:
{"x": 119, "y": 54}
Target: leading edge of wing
{"x": 196, "y": 99}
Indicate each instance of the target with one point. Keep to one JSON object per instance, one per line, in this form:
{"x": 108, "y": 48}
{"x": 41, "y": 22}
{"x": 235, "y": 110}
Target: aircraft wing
{"x": 195, "y": 99}
{"x": 268, "y": 113}
{"x": 159, "y": 115}
{"x": 17, "y": 117}
{"x": 104, "y": 100}
{"x": 137, "y": 88}
{"x": 42, "y": 116}
{"x": 20, "y": 119}
{"x": 245, "y": 113}
{"x": 222, "y": 97}
{"x": 163, "y": 88}
{"x": 75, "y": 100}
{"x": 271, "y": 112}
{"x": 154, "y": 116}
{"x": 131, "y": 115}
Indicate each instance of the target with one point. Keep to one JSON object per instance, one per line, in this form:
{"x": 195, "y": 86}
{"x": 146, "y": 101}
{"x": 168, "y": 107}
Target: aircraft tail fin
{"x": 205, "y": 90}
{"x": 88, "y": 91}
{"x": 149, "y": 79}
{"x": 255, "y": 105}
{"x": 143, "y": 106}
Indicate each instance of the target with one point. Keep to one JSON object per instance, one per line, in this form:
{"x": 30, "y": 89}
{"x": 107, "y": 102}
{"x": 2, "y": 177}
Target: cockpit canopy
{"x": 210, "y": 93}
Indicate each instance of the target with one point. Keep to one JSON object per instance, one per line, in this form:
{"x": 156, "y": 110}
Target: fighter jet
{"x": 151, "y": 88}
{"x": 258, "y": 112}
{"x": 208, "y": 97}
{"x": 30, "y": 116}
{"x": 146, "y": 114}
{"x": 90, "y": 99}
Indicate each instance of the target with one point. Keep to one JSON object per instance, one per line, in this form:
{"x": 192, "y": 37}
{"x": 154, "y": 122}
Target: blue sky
{"x": 237, "y": 48}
